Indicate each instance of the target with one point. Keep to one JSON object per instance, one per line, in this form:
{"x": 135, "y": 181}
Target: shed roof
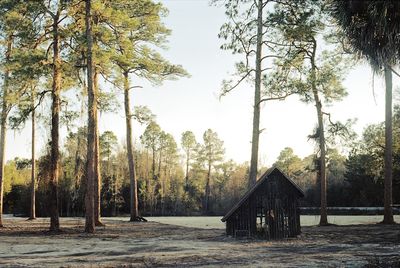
{"x": 255, "y": 186}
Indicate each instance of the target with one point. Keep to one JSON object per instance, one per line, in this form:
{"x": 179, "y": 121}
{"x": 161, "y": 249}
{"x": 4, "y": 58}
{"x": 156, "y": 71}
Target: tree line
{"x": 206, "y": 184}
{"x": 176, "y": 178}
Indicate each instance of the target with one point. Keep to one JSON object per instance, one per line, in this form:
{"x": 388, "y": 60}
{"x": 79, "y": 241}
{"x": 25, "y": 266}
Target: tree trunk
{"x": 388, "y": 211}
{"x": 33, "y": 170}
{"x": 115, "y": 196}
{"x": 55, "y": 122}
{"x": 257, "y": 98}
{"x": 3, "y": 125}
{"x": 91, "y": 140}
{"x": 187, "y": 171}
{"x": 153, "y": 167}
{"x": 159, "y": 163}
{"x": 321, "y": 136}
{"x": 207, "y": 191}
{"x": 134, "y": 210}
{"x": 97, "y": 177}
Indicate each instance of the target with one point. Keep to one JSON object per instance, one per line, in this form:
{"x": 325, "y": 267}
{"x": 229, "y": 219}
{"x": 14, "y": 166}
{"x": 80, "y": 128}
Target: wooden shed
{"x": 270, "y": 209}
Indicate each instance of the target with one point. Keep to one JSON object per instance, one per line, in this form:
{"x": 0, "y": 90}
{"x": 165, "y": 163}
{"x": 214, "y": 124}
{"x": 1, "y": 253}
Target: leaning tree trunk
{"x": 321, "y": 139}
{"x": 32, "y": 215}
{"x": 97, "y": 177}
{"x": 257, "y": 98}
{"x": 131, "y": 161}
{"x": 3, "y": 125}
{"x": 388, "y": 212}
{"x": 91, "y": 140}
{"x": 55, "y": 122}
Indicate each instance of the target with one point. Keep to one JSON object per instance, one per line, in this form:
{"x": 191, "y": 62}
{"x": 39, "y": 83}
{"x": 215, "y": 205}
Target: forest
{"x": 65, "y": 60}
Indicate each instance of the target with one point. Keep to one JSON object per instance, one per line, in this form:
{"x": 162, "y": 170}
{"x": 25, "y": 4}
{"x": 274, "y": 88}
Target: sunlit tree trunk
{"x": 257, "y": 98}
{"x": 32, "y": 215}
{"x": 3, "y": 125}
{"x": 153, "y": 166}
{"x": 187, "y": 170}
{"x": 388, "y": 211}
{"x": 321, "y": 139}
{"x": 97, "y": 177}
{"x": 91, "y": 141}
{"x": 55, "y": 123}
{"x": 134, "y": 211}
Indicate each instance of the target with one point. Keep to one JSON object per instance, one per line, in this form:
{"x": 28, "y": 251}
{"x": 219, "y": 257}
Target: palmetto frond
{"x": 372, "y": 28}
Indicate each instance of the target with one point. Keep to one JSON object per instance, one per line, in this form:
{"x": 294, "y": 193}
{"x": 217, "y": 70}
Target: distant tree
{"x": 150, "y": 139}
{"x": 212, "y": 152}
{"x": 108, "y": 144}
{"x": 288, "y": 162}
{"x": 188, "y": 143}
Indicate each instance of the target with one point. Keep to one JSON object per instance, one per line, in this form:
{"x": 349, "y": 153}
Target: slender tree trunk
{"x": 153, "y": 167}
{"x": 321, "y": 133}
{"x": 257, "y": 98}
{"x": 3, "y": 125}
{"x": 388, "y": 211}
{"x": 147, "y": 176}
{"x": 115, "y": 196}
{"x": 97, "y": 181}
{"x": 134, "y": 210}
{"x": 33, "y": 171}
{"x": 159, "y": 163}
{"x": 187, "y": 171}
{"x": 207, "y": 190}
{"x": 91, "y": 140}
{"x": 55, "y": 123}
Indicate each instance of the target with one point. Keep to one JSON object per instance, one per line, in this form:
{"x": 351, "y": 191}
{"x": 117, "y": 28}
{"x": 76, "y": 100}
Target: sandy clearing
{"x": 123, "y": 244}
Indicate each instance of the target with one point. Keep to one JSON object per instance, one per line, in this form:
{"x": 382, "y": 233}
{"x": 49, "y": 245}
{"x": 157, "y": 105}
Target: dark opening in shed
{"x": 270, "y": 209}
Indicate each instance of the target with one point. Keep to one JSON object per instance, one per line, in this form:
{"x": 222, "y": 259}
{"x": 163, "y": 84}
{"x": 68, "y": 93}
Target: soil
{"x": 150, "y": 244}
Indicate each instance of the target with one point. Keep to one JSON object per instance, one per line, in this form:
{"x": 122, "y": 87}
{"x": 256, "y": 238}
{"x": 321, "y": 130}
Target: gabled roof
{"x": 255, "y": 186}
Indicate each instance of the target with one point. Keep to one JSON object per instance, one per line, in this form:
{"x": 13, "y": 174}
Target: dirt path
{"x": 123, "y": 244}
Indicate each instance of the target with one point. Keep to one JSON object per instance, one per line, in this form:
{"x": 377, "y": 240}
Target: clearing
{"x": 124, "y": 244}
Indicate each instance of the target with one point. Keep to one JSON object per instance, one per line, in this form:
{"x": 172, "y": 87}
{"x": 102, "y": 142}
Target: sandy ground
{"x": 124, "y": 244}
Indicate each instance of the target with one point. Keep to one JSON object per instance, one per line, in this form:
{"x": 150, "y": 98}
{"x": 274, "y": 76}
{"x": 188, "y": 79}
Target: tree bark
{"x": 321, "y": 136}
{"x": 134, "y": 210}
{"x": 97, "y": 180}
{"x": 257, "y": 98}
{"x": 388, "y": 211}
{"x": 91, "y": 140}
{"x": 55, "y": 122}
{"x": 32, "y": 215}
{"x": 3, "y": 123}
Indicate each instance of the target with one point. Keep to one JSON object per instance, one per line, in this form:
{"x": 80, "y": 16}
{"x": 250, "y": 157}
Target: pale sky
{"x": 193, "y": 103}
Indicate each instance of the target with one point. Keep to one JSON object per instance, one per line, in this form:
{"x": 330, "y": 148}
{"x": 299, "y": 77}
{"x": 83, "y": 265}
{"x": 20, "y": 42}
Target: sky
{"x": 193, "y": 103}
